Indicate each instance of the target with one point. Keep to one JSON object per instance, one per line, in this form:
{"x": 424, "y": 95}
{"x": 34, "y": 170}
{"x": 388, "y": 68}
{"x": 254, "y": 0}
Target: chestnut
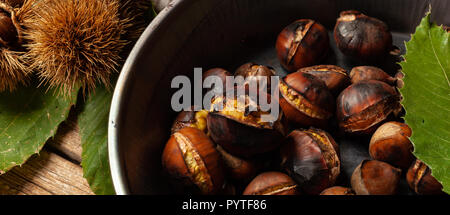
{"x": 238, "y": 169}
{"x": 335, "y": 77}
{"x": 373, "y": 177}
{"x": 272, "y": 183}
{"x": 362, "y": 36}
{"x": 362, "y": 106}
{"x": 192, "y": 162}
{"x": 337, "y": 190}
{"x": 390, "y": 143}
{"x": 244, "y": 133}
{"x": 219, "y": 73}
{"x": 254, "y": 72}
{"x": 8, "y": 32}
{"x": 303, "y": 43}
{"x": 419, "y": 178}
{"x": 306, "y": 100}
{"x": 311, "y": 158}
{"x": 195, "y": 119}
{"x": 365, "y": 73}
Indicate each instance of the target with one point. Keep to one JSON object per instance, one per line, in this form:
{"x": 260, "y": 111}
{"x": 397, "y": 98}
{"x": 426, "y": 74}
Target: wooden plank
{"x": 45, "y": 174}
{"x": 67, "y": 139}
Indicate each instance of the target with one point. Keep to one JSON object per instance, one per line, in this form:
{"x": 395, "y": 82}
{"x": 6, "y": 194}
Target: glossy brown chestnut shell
{"x": 238, "y": 169}
{"x": 272, "y": 183}
{"x": 373, "y": 177}
{"x": 219, "y": 73}
{"x": 419, "y": 178}
{"x": 365, "y": 73}
{"x": 337, "y": 190}
{"x": 192, "y": 118}
{"x": 311, "y": 158}
{"x": 361, "y": 107}
{"x": 390, "y": 143}
{"x": 303, "y": 43}
{"x": 254, "y": 72}
{"x": 192, "y": 162}
{"x": 306, "y": 100}
{"x": 244, "y": 133}
{"x": 362, "y": 36}
{"x": 8, "y": 31}
{"x": 335, "y": 77}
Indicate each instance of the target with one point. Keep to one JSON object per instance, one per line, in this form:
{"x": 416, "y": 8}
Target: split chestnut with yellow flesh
{"x": 192, "y": 161}
{"x": 194, "y": 119}
{"x": 311, "y": 158}
{"x": 306, "y": 100}
{"x": 243, "y": 132}
{"x": 362, "y": 106}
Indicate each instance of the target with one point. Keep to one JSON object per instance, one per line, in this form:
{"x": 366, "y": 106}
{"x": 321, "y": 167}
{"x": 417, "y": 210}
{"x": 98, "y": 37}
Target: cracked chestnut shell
{"x": 241, "y": 131}
{"x": 362, "y": 106}
{"x": 254, "y": 72}
{"x": 306, "y": 100}
{"x": 365, "y": 73}
{"x": 362, "y": 36}
{"x": 337, "y": 190}
{"x": 311, "y": 158}
{"x": 335, "y": 77}
{"x": 272, "y": 183}
{"x": 373, "y": 177}
{"x": 303, "y": 43}
{"x": 192, "y": 162}
{"x": 390, "y": 143}
{"x": 195, "y": 119}
{"x": 219, "y": 73}
{"x": 419, "y": 179}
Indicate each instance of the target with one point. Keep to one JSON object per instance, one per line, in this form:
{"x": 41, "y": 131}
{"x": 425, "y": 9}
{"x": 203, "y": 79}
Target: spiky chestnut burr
{"x": 75, "y": 42}
{"x": 13, "y": 67}
{"x": 139, "y": 13}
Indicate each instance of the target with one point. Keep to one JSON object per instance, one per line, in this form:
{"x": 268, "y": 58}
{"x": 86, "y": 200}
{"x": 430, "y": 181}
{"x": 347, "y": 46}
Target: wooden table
{"x": 55, "y": 170}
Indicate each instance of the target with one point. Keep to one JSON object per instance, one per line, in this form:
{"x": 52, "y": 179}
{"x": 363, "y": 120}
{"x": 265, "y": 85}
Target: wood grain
{"x": 45, "y": 174}
{"x": 67, "y": 140}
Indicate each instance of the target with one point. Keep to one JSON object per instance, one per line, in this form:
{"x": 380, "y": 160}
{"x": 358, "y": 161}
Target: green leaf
{"x": 93, "y": 122}
{"x": 427, "y": 97}
{"x": 28, "y": 118}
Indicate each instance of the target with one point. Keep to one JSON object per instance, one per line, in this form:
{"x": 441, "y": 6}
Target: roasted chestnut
{"x": 362, "y": 36}
{"x": 254, "y": 72}
{"x": 306, "y": 100}
{"x": 272, "y": 183}
{"x": 419, "y": 178}
{"x": 373, "y": 177}
{"x": 238, "y": 169}
{"x": 365, "y": 73}
{"x": 337, "y": 190}
{"x": 192, "y": 118}
{"x": 303, "y": 43}
{"x": 219, "y": 73}
{"x": 335, "y": 77}
{"x": 362, "y": 106}
{"x": 242, "y": 131}
{"x": 311, "y": 158}
{"x": 390, "y": 143}
{"x": 192, "y": 162}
